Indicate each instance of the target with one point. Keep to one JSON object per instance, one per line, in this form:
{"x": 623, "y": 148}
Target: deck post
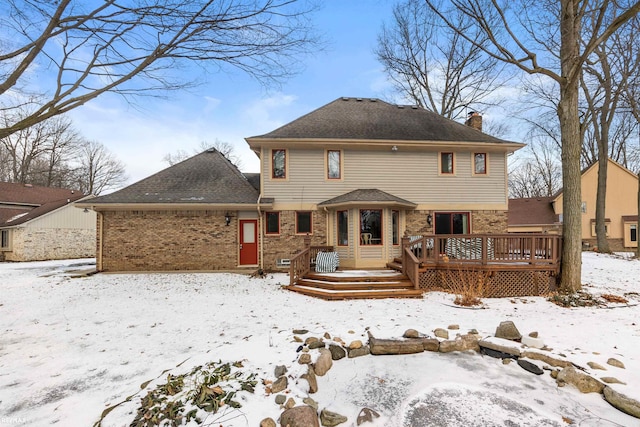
{"x": 406, "y": 241}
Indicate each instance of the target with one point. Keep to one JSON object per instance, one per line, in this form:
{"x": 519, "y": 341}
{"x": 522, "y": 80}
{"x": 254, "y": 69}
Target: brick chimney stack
{"x": 475, "y": 120}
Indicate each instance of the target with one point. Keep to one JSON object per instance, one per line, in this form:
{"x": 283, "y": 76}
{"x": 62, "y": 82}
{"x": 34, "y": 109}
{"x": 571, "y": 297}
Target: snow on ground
{"x": 70, "y": 347}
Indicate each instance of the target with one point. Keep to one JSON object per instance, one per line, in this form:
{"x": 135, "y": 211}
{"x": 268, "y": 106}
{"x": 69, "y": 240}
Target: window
{"x": 480, "y": 163}
{"x": 334, "y": 164}
{"x": 633, "y": 233}
{"x": 4, "y": 241}
{"x": 446, "y": 163}
{"x": 279, "y": 164}
{"x": 303, "y": 222}
{"x": 452, "y": 223}
{"x": 371, "y": 227}
{"x": 343, "y": 228}
{"x": 607, "y": 223}
{"x": 273, "y": 222}
{"x": 395, "y": 226}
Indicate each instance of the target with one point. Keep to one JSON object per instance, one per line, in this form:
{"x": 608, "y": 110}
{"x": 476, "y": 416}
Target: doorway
{"x": 248, "y": 242}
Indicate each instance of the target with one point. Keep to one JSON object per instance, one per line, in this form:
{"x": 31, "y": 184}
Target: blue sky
{"x": 230, "y": 107}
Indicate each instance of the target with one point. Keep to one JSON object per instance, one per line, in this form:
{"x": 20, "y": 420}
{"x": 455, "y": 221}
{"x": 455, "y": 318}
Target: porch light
{"x": 429, "y": 219}
{"x": 227, "y": 219}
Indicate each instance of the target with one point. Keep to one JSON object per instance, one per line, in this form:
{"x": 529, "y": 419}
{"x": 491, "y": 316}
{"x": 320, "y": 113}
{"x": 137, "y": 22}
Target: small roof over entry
{"x": 371, "y": 197}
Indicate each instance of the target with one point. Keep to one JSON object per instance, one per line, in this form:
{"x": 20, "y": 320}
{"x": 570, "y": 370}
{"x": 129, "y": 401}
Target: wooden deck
{"x": 508, "y": 265}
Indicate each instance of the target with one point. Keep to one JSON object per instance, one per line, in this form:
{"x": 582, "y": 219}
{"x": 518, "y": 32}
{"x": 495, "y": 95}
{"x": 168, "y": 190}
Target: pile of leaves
{"x": 578, "y": 299}
{"x": 194, "y": 395}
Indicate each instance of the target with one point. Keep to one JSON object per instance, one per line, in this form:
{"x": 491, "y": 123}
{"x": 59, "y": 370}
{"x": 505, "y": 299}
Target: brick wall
{"x": 288, "y": 243}
{"x": 36, "y": 244}
{"x": 168, "y": 240}
{"x": 417, "y": 223}
{"x": 489, "y": 222}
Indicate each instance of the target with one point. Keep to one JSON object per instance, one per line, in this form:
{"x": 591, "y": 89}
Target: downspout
{"x": 101, "y": 242}
{"x": 261, "y": 239}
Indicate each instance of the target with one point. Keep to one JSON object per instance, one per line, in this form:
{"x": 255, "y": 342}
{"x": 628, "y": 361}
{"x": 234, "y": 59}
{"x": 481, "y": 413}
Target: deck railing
{"x": 411, "y": 267}
{"x": 302, "y": 262}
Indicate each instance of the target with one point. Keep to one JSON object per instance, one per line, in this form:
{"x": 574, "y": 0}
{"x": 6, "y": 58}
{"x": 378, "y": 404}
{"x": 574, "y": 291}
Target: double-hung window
{"x": 279, "y": 163}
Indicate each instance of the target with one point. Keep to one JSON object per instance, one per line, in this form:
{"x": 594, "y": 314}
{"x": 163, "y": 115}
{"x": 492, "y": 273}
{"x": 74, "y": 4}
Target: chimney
{"x": 474, "y": 120}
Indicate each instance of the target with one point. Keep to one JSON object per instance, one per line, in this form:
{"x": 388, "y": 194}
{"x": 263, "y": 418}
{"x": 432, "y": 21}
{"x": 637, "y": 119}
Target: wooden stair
{"x": 373, "y": 284}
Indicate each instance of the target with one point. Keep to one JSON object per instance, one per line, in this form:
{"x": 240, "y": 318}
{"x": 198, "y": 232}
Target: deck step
{"x": 355, "y": 285}
{"x": 331, "y": 295}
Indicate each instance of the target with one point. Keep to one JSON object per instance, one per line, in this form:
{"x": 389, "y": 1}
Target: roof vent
{"x": 359, "y": 99}
{"x": 400, "y": 106}
{"x": 414, "y": 107}
{"x": 373, "y": 100}
{"x": 345, "y": 98}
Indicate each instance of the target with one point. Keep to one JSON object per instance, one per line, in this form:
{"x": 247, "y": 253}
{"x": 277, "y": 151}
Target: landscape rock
{"x": 594, "y": 365}
{"x": 327, "y": 336}
{"x": 441, "y": 333}
{"x": 383, "y": 346}
{"x": 501, "y": 345}
{"x": 337, "y": 352}
{"x": 549, "y": 360}
{"x": 462, "y": 343}
{"x": 299, "y": 416}
{"x": 311, "y": 340}
{"x": 611, "y": 380}
{"x": 507, "y": 330}
{"x": 268, "y": 422}
{"x": 366, "y": 415}
{"x": 331, "y": 419}
{"x": 309, "y": 401}
{"x": 290, "y": 403}
{"x": 616, "y": 363}
{"x": 533, "y": 342}
{"x": 431, "y": 344}
{"x": 279, "y": 385}
{"x": 580, "y": 380}
{"x": 411, "y": 333}
{"x": 473, "y": 331}
{"x": 280, "y": 399}
{"x": 453, "y": 327}
{"x": 279, "y": 371}
{"x": 533, "y": 334}
{"x": 310, "y": 376}
{"x": 300, "y": 331}
{"x": 530, "y": 367}
{"x": 357, "y": 352}
{"x": 297, "y": 338}
{"x": 622, "y": 402}
{"x": 316, "y": 344}
{"x": 304, "y": 359}
{"x": 355, "y": 344}
{"x": 323, "y": 362}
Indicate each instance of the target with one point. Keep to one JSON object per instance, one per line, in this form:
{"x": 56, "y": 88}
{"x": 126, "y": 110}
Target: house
{"x": 42, "y": 223}
{"x": 621, "y": 222}
{"x": 356, "y": 174}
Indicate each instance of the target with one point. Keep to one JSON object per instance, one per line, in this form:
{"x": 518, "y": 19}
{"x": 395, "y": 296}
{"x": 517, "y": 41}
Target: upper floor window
{"x": 446, "y": 163}
{"x": 480, "y": 163}
{"x": 272, "y": 220}
{"x": 334, "y": 164}
{"x": 303, "y": 223}
{"x": 279, "y": 164}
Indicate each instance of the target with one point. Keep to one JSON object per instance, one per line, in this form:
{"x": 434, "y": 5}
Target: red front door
{"x": 248, "y": 242}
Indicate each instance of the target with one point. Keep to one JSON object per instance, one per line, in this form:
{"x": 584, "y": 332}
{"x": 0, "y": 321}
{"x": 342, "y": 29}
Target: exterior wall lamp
{"x": 394, "y": 148}
{"x": 227, "y": 219}
{"x": 429, "y": 218}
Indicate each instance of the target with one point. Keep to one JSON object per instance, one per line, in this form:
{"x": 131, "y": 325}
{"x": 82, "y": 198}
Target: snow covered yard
{"x": 72, "y": 347}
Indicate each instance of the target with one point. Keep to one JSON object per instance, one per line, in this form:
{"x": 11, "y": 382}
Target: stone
{"x": 357, "y": 352}
{"x": 268, "y": 422}
{"x": 327, "y": 336}
{"x": 431, "y": 344}
{"x": 622, "y": 402}
{"x": 441, "y": 333}
{"x": 453, "y": 327}
{"x": 316, "y": 344}
{"x": 331, "y": 419}
{"x": 300, "y": 331}
{"x": 580, "y": 380}
{"x": 299, "y": 416}
{"x": 549, "y": 360}
{"x": 554, "y": 374}
{"x": 279, "y": 385}
{"x": 279, "y": 371}
{"x": 530, "y": 367}
{"x": 501, "y": 345}
{"x": 532, "y": 342}
{"x": 473, "y": 331}
{"x": 616, "y": 363}
{"x": 508, "y": 331}
{"x": 411, "y": 333}
{"x": 366, "y": 415}
{"x": 309, "y": 401}
{"x": 297, "y": 338}
{"x": 310, "y": 376}
{"x": 355, "y": 344}
{"x": 323, "y": 362}
{"x": 304, "y": 359}
{"x": 310, "y": 340}
{"x": 290, "y": 403}
{"x": 280, "y": 399}
{"x": 506, "y": 360}
{"x": 338, "y": 340}
{"x": 383, "y": 346}
{"x": 611, "y": 380}
{"x": 594, "y": 365}
{"x": 533, "y": 334}
{"x": 337, "y": 352}
{"x": 462, "y": 343}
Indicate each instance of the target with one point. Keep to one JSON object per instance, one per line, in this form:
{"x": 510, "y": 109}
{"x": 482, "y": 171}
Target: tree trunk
{"x": 570, "y": 278}
{"x": 638, "y": 223}
{"x": 601, "y": 231}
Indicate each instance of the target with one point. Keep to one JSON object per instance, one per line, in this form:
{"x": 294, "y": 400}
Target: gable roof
{"x": 360, "y": 119}
{"x": 362, "y": 197}
{"x": 204, "y": 179}
{"x": 20, "y": 203}
{"x": 531, "y": 211}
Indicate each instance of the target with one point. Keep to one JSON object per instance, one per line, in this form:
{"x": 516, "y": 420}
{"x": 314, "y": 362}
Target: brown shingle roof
{"x": 364, "y": 196}
{"x": 206, "y": 178}
{"x": 373, "y": 119}
{"x": 531, "y": 211}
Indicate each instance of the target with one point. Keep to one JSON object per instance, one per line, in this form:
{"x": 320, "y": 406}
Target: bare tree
{"x": 225, "y": 148}
{"x": 518, "y": 33}
{"x": 98, "y": 170}
{"x": 539, "y": 172}
{"x": 83, "y": 49}
{"x": 433, "y": 65}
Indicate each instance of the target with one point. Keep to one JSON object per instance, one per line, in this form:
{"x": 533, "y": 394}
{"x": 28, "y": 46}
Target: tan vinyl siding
{"x": 67, "y": 217}
{"x": 409, "y": 175}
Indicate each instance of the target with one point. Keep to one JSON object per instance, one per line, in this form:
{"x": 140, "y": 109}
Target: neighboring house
{"x": 42, "y": 223}
{"x": 621, "y": 209}
{"x": 356, "y": 174}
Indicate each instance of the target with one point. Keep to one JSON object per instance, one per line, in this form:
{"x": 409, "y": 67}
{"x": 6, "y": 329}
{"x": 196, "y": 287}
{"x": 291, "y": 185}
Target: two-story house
{"x": 355, "y": 174}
